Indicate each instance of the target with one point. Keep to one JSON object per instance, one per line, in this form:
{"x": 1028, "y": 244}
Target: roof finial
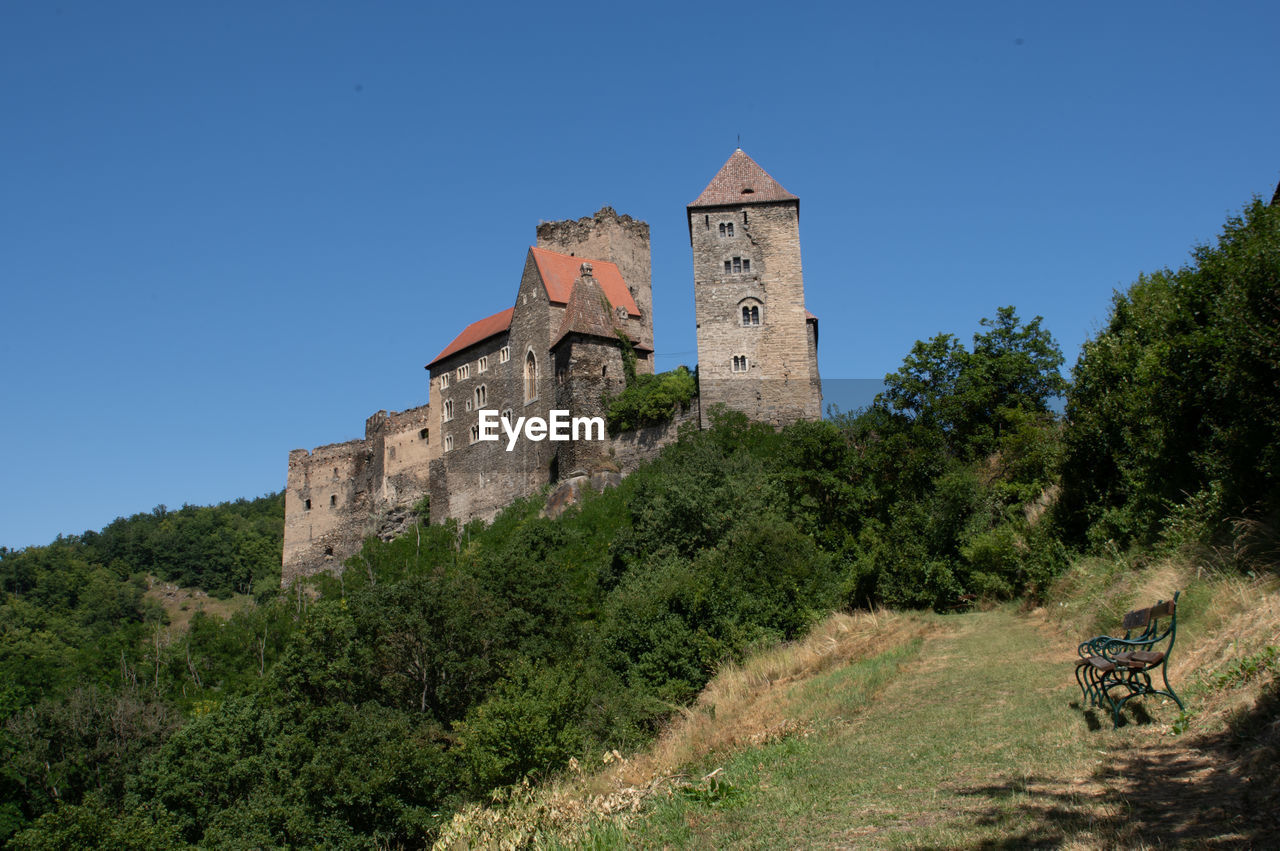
{"x": 739, "y": 141}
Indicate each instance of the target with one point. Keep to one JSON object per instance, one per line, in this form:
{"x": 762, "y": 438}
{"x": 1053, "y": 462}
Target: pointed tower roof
{"x": 742, "y": 181}
{"x": 587, "y": 312}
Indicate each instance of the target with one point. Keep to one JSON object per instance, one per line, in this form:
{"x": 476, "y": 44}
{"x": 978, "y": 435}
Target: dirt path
{"x": 977, "y": 742}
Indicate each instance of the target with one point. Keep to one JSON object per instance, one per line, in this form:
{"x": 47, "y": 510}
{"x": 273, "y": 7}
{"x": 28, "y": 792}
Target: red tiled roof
{"x": 742, "y": 181}
{"x": 559, "y": 271}
{"x": 808, "y": 315}
{"x": 476, "y": 332}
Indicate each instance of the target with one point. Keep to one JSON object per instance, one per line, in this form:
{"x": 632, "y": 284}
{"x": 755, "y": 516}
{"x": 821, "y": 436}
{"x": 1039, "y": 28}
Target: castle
{"x": 583, "y": 314}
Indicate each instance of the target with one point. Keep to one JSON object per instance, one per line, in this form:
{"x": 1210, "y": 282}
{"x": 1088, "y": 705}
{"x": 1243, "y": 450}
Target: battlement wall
{"x": 335, "y": 492}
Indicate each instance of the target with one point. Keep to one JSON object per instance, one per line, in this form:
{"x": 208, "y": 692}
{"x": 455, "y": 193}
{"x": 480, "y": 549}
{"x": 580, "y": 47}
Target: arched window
{"x": 530, "y": 378}
{"x": 750, "y": 314}
{"x": 448, "y": 410}
{"x": 481, "y": 395}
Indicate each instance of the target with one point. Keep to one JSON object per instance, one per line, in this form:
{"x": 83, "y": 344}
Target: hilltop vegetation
{"x": 451, "y": 661}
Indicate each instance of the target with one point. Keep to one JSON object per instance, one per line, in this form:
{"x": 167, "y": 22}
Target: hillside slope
{"x": 970, "y": 736}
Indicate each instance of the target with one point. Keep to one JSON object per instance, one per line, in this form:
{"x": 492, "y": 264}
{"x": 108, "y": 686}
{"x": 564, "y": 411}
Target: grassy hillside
{"x": 904, "y": 730}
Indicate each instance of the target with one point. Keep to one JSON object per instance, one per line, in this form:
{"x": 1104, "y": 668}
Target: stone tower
{"x": 622, "y": 241}
{"x": 757, "y": 345}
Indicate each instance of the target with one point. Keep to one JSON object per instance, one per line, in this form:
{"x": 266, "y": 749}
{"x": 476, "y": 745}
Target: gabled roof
{"x": 741, "y": 181}
{"x": 559, "y": 271}
{"x": 588, "y": 312}
{"x": 476, "y": 332}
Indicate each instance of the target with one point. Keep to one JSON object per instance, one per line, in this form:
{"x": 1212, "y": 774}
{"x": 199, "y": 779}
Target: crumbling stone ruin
{"x": 583, "y": 314}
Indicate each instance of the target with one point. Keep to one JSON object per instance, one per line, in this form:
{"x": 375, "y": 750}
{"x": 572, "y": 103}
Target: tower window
{"x": 483, "y": 366}
{"x": 464, "y": 371}
{"x": 444, "y": 381}
{"x": 475, "y": 433}
{"x": 739, "y": 363}
{"x": 482, "y": 396}
{"x": 468, "y": 404}
{"x": 333, "y": 500}
{"x": 507, "y": 415}
{"x": 728, "y": 267}
{"x": 750, "y": 315}
{"x": 424, "y": 434}
{"x": 447, "y": 413}
{"x": 307, "y": 506}
{"x": 726, "y": 228}
{"x": 448, "y": 443}
{"x": 737, "y": 265}
{"x": 504, "y": 354}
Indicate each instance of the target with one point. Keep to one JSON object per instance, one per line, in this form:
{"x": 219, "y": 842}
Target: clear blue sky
{"x": 230, "y": 230}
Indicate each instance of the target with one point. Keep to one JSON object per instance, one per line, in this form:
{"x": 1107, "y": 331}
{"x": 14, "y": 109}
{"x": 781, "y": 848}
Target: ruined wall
{"x": 326, "y": 506}
{"x": 623, "y": 241}
{"x": 780, "y": 382}
{"x": 402, "y": 443}
{"x": 336, "y": 495}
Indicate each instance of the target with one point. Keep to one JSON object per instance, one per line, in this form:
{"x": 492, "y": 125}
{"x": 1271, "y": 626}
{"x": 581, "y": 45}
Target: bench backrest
{"x": 1140, "y": 618}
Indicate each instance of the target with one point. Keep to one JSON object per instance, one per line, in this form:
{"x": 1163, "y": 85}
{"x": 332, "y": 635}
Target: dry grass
{"x": 181, "y": 604}
{"x": 744, "y": 706}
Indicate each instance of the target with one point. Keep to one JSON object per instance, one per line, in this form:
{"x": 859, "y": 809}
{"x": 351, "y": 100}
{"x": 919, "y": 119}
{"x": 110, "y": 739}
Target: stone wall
{"x": 337, "y": 494}
{"x": 631, "y": 449}
{"x": 779, "y": 383}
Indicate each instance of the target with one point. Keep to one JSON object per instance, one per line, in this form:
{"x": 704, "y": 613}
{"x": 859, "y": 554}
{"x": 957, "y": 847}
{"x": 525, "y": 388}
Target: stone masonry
{"x": 584, "y": 299}
{"x": 757, "y": 344}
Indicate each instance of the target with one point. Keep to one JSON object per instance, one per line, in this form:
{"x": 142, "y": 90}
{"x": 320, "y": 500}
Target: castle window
{"x": 335, "y": 472}
{"x": 424, "y": 434}
{"x": 504, "y": 354}
{"x": 530, "y": 378}
{"x": 507, "y": 415}
{"x": 307, "y": 507}
{"x": 475, "y": 433}
{"x": 448, "y": 411}
{"x": 726, "y": 228}
{"x": 448, "y": 443}
{"x": 739, "y": 363}
{"x": 481, "y": 396}
{"x": 333, "y": 500}
{"x": 728, "y": 267}
{"x": 328, "y": 551}
{"x": 464, "y": 371}
{"x": 722, "y": 228}
{"x": 468, "y": 404}
{"x": 483, "y": 366}
{"x": 746, "y": 265}
{"x": 444, "y": 381}
{"x": 750, "y": 315}
{"x": 604, "y": 371}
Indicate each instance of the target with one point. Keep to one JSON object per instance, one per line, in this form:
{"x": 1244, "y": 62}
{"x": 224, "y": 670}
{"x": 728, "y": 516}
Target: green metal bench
{"x": 1113, "y": 670}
